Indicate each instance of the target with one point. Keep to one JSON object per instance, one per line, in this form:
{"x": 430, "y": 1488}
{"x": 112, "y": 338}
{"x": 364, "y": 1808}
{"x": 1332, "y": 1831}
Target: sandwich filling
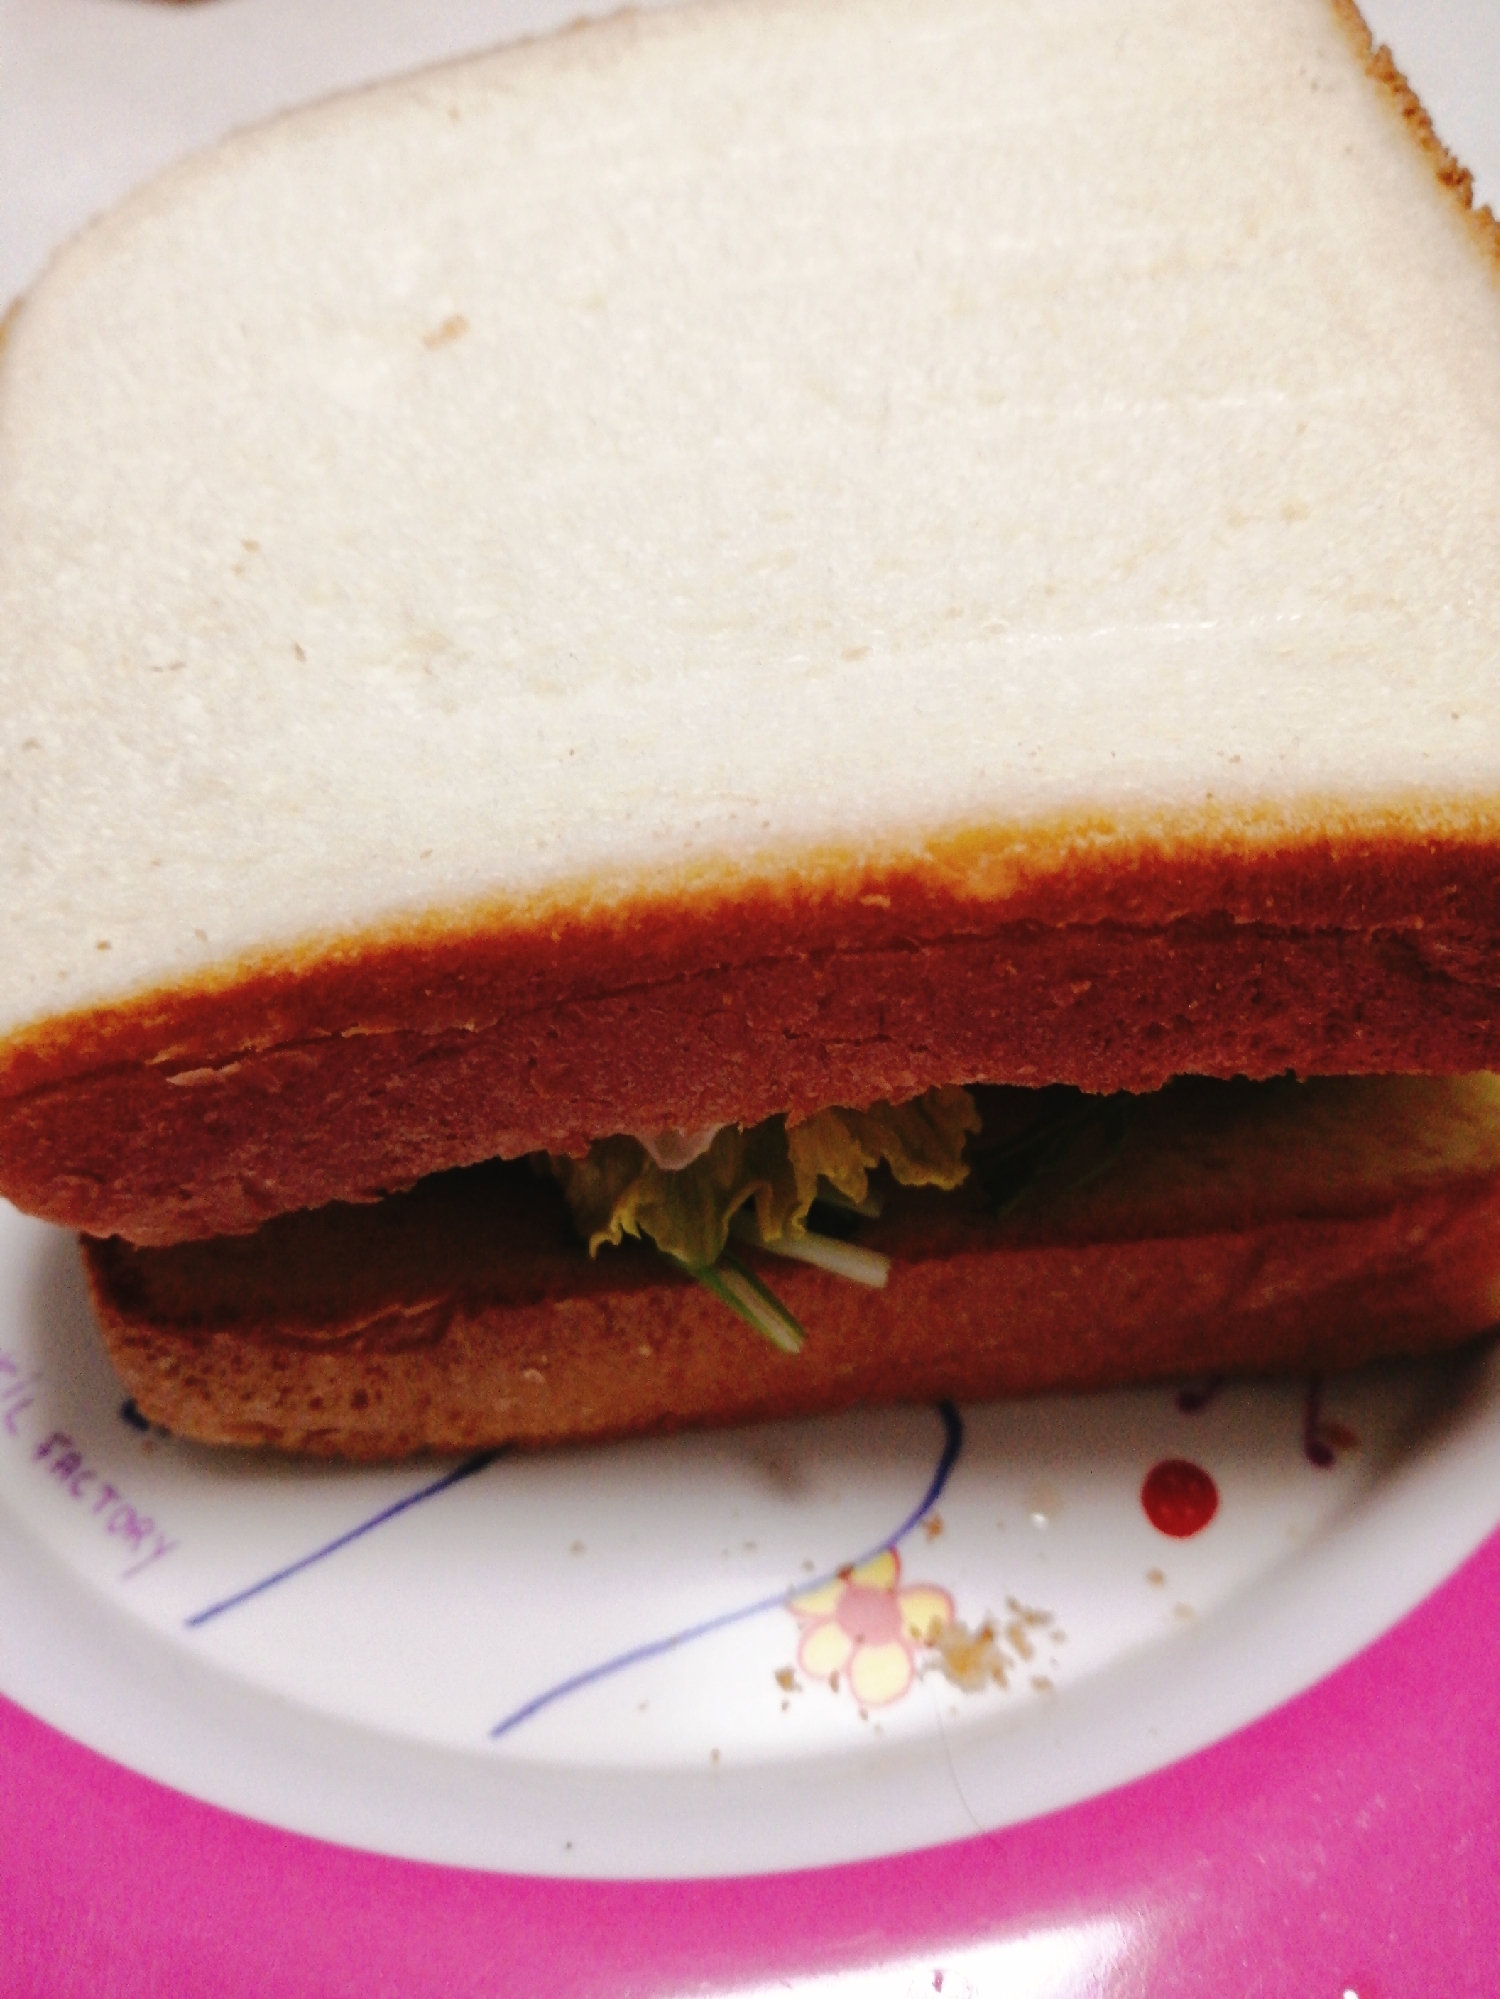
{"x": 799, "y": 1188}
{"x": 765, "y": 1185}
{"x": 775, "y": 1171}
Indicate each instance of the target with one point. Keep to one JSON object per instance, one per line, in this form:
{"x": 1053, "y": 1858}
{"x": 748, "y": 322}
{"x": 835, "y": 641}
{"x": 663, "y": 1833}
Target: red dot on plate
{"x": 1179, "y": 1497}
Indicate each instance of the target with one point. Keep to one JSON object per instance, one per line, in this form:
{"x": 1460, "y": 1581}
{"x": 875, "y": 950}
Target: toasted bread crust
{"x": 203, "y": 1113}
{"x": 529, "y": 1343}
{"x": 1381, "y": 65}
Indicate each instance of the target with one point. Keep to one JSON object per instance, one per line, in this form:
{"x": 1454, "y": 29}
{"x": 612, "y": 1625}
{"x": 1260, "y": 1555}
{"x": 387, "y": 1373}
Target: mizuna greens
{"x": 767, "y": 1177}
{"x": 777, "y": 1169}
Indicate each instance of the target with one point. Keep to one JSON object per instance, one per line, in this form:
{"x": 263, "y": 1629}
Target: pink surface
{"x": 1348, "y": 1842}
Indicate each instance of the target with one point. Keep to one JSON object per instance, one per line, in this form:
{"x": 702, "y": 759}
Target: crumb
{"x": 1155, "y": 1578}
{"x": 787, "y": 1680}
{"x": 642, "y": 1707}
{"x": 1184, "y": 1612}
{"x": 576, "y": 1548}
{"x": 807, "y": 1568}
{"x": 713, "y": 1755}
{"x": 784, "y": 1706}
{"x": 748, "y": 1547}
{"x": 864, "y": 1714}
{"x": 454, "y": 327}
{"x": 1024, "y": 1619}
{"x": 933, "y": 1526}
{"x": 970, "y": 1659}
{"x": 833, "y": 1681}
{"x": 1058, "y": 1637}
{"x": 1042, "y": 1684}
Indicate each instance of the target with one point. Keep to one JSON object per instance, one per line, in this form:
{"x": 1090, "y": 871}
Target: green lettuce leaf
{"x": 617, "y": 1189}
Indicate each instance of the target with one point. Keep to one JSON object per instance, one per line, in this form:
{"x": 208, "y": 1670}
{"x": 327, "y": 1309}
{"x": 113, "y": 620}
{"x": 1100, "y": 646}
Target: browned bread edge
{"x": 475, "y": 1319}
{"x": 365, "y": 1068}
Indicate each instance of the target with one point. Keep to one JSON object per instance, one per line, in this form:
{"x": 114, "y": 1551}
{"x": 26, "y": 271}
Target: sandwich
{"x": 641, "y": 647}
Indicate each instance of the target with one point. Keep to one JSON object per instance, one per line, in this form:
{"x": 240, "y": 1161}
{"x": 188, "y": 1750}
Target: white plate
{"x": 607, "y": 1661}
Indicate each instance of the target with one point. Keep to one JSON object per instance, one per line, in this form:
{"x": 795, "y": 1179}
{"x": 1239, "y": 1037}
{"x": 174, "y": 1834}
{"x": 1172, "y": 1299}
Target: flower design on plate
{"x": 864, "y": 1624}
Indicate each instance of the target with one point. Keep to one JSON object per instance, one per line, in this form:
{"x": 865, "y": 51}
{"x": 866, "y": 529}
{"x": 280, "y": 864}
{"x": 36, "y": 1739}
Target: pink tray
{"x": 1347, "y": 1844}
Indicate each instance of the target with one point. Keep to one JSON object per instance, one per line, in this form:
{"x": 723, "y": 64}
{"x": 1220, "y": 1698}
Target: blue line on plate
{"x": 459, "y": 1472}
{"x": 953, "y": 1443}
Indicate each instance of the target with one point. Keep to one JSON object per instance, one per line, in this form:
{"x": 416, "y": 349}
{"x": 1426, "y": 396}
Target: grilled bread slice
{"x": 1210, "y": 1228}
{"x": 777, "y": 553}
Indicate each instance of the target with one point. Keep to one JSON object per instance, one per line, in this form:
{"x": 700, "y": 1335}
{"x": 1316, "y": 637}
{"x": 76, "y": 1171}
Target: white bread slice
{"x": 1012, "y": 464}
